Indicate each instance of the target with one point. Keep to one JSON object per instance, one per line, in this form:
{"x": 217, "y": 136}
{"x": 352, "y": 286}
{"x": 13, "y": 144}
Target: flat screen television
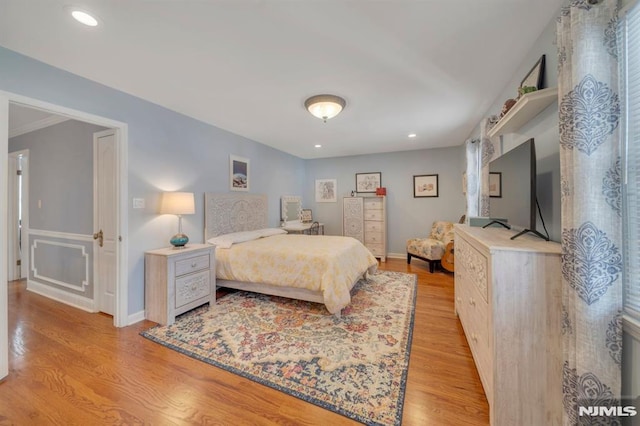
{"x": 512, "y": 189}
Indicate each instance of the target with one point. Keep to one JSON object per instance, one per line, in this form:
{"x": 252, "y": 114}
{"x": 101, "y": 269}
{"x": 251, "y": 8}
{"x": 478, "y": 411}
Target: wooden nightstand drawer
{"x": 193, "y": 264}
{"x": 192, "y": 287}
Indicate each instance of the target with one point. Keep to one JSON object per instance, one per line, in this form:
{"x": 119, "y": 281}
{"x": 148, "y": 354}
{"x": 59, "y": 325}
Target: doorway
{"x": 120, "y": 314}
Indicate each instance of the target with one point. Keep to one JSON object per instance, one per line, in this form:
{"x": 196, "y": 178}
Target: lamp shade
{"x": 325, "y": 106}
{"x": 177, "y": 203}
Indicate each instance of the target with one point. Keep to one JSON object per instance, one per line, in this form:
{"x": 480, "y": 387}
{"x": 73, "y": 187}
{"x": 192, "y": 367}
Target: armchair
{"x": 432, "y": 248}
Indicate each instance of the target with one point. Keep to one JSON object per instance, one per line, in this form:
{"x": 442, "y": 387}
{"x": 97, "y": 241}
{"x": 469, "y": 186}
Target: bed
{"x": 320, "y": 269}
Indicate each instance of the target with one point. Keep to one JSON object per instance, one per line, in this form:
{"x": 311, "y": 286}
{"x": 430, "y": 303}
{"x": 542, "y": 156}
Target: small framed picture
{"x": 326, "y": 191}
{"x": 495, "y": 184}
{"x": 425, "y": 186}
{"x": 238, "y": 173}
{"x": 307, "y": 216}
{"x": 535, "y": 77}
{"x": 368, "y": 182}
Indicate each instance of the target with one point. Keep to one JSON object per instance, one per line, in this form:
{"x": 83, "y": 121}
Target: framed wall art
{"x": 368, "y": 182}
{"x": 307, "y": 216}
{"x": 326, "y": 190}
{"x": 425, "y": 186}
{"x": 238, "y": 173}
{"x": 495, "y": 184}
{"x": 535, "y": 77}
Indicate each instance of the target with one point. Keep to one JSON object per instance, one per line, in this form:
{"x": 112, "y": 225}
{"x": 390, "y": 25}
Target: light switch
{"x": 138, "y": 203}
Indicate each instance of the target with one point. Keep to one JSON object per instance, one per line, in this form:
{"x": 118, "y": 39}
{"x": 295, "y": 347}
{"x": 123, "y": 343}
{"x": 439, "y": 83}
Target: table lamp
{"x": 178, "y": 203}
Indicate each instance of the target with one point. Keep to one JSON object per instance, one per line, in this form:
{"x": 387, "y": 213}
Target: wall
{"x": 407, "y": 217}
{"x": 543, "y": 128}
{"x": 61, "y": 202}
{"x": 166, "y": 151}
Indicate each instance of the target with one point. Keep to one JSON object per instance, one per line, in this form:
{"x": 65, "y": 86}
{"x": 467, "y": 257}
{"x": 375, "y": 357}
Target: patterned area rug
{"x": 355, "y": 365}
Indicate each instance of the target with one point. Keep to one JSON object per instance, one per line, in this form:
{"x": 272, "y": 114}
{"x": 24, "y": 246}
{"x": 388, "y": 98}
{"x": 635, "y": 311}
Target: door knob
{"x": 100, "y": 237}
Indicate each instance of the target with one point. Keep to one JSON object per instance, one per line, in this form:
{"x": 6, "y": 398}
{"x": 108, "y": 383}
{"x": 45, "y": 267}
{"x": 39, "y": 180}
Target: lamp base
{"x": 178, "y": 241}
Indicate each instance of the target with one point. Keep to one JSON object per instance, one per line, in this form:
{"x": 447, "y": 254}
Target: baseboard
{"x": 61, "y": 296}
{"x": 137, "y": 317}
{"x": 397, "y": 255}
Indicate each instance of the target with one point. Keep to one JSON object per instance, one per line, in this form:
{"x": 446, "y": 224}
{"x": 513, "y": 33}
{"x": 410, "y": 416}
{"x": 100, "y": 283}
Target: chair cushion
{"x": 426, "y": 247}
{"x": 442, "y": 231}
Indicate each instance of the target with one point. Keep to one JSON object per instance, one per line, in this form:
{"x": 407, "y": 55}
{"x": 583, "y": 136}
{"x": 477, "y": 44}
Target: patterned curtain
{"x": 487, "y": 151}
{"x": 589, "y": 114}
{"x": 473, "y": 183}
{"x": 480, "y": 151}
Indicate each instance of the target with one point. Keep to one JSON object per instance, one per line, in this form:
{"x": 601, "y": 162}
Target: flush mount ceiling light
{"x": 325, "y": 106}
{"x": 83, "y": 16}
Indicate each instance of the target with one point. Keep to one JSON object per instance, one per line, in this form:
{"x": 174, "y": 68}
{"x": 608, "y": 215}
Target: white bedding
{"x": 330, "y": 265}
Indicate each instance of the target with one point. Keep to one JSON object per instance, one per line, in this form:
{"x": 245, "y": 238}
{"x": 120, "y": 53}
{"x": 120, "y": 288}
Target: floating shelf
{"x": 527, "y": 107}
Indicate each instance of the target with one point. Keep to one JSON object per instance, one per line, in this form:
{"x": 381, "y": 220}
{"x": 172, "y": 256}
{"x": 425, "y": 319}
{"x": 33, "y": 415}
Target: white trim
{"x": 62, "y": 235}
{"x": 137, "y": 317}
{"x": 37, "y": 125}
{"x": 4, "y": 187}
{"x": 61, "y": 296}
{"x": 631, "y": 326}
{"x": 397, "y": 255}
{"x": 122, "y": 222}
{"x": 85, "y": 282}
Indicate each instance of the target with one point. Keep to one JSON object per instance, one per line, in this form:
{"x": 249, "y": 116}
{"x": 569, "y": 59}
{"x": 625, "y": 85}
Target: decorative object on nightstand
{"x": 178, "y": 203}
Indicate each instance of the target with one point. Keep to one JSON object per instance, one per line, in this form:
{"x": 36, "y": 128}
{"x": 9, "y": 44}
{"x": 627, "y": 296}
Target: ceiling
{"x": 427, "y": 67}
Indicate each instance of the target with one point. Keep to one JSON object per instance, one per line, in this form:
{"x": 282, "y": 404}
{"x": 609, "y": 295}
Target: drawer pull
{"x": 459, "y": 299}
{"x": 474, "y": 337}
{"x": 194, "y": 264}
{"x": 472, "y": 302}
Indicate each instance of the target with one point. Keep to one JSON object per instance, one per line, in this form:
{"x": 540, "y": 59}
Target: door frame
{"x": 13, "y": 205}
{"x": 120, "y": 317}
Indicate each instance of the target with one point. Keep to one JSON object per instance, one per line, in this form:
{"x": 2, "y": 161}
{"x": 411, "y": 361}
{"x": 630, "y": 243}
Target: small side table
{"x": 178, "y": 280}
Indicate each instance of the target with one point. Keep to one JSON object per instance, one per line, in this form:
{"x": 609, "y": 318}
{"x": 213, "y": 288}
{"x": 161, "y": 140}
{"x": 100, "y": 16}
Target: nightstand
{"x": 178, "y": 280}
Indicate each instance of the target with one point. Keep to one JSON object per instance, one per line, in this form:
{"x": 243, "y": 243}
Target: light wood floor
{"x": 70, "y": 367}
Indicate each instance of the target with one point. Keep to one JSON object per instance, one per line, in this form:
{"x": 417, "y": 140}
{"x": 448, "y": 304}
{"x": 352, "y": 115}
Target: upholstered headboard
{"x": 226, "y": 213}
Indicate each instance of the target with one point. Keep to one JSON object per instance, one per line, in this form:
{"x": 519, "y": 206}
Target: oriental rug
{"x": 355, "y": 365}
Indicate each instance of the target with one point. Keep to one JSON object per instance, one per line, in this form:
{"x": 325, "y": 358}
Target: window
{"x": 630, "y": 37}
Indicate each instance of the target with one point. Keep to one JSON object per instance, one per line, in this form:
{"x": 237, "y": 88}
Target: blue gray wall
{"x": 61, "y": 201}
{"x": 407, "y": 217}
{"x": 167, "y": 151}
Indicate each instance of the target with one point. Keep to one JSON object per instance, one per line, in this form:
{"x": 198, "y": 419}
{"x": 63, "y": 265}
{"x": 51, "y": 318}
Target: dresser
{"x": 508, "y": 298}
{"x": 178, "y": 280}
{"x": 365, "y": 219}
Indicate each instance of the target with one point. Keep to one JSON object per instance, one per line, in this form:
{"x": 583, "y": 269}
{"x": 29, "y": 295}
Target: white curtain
{"x": 589, "y": 114}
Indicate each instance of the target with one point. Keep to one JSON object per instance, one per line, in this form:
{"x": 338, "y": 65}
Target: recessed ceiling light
{"x": 412, "y": 135}
{"x": 318, "y": 146}
{"x": 83, "y": 16}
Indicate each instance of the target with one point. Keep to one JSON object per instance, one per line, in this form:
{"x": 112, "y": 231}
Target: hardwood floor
{"x": 71, "y": 367}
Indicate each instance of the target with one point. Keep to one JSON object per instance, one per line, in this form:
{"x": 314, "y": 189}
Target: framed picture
{"x": 326, "y": 191}
{"x": 238, "y": 173}
{"x": 425, "y": 186}
{"x": 535, "y": 76}
{"x": 495, "y": 184}
{"x": 307, "y": 216}
{"x": 368, "y": 182}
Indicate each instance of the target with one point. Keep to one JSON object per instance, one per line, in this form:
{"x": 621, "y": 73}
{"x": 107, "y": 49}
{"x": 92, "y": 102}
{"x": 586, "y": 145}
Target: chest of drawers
{"x": 508, "y": 299}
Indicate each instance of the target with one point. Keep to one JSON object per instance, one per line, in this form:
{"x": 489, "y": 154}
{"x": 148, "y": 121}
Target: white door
{"x": 105, "y": 216}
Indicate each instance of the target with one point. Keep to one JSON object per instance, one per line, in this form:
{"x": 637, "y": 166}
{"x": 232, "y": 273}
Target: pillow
{"x": 227, "y": 240}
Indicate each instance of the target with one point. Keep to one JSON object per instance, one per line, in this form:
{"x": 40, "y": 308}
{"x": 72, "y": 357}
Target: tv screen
{"x": 512, "y": 187}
